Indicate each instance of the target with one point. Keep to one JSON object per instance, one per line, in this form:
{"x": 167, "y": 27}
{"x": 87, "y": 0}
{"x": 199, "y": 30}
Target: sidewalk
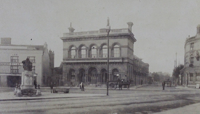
{"x": 190, "y": 109}
{"x": 185, "y": 87}
{"x": 92, "y": 88}
{"x": 103, "y": 88}
{"x": 8, "y": 96}
{"x": 8, "y": 89}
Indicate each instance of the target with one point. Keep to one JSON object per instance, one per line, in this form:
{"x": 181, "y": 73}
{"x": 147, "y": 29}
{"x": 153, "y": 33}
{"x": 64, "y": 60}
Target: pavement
{"x": 144, "y": 100}
{"x": 98, "y": 88}
{"x": 8, "y": 96}
{"x": 190, "y": 109}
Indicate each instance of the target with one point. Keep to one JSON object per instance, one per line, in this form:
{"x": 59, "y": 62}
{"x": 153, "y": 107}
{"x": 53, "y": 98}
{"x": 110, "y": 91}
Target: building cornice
{"x": 97, "y": 35}
{"x": 191, "y": 39}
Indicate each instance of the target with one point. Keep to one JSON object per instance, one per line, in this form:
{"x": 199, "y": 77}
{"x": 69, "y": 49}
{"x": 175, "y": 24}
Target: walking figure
{"x": 82, "y": 86}
{"x": 51, "y": 86}
{"x": 163, "y": 85}
{"x": 35, "y": 84}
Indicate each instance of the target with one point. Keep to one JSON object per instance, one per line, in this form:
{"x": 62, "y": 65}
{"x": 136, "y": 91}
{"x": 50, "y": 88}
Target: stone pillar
{"x": 186, "y": 79}
{"x": 77, "y": 55}
{"x": 194, "y": 78}
{"x": 76, "y": 77}
{"x": 97, "y": 52}
{"x": 87, "y": 52}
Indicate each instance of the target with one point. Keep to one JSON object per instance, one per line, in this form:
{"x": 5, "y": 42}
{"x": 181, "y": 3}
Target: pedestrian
{"x": 163, "y": 85}
{"x": 35, "y": 84}
{"x": 141, "y": 82}
{"x": 81, "y": 84}
{"x": 82, "y": 87}
{"x": 51, "y": 86}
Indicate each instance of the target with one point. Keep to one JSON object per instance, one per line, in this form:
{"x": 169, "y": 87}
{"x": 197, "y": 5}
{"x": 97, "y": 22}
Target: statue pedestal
{"x": 27, "y": 80}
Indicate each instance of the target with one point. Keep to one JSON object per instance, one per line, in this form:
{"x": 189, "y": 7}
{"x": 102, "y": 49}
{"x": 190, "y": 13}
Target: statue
{"x": 27, "y": 65}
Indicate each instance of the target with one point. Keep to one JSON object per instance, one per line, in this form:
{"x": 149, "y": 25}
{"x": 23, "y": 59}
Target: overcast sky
{"x": 160, "y": 26}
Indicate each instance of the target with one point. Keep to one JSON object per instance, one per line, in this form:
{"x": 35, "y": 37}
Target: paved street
{"x": 145, "y": 100}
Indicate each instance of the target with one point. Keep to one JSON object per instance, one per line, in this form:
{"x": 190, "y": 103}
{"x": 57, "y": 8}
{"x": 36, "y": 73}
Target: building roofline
{"x": 101, "y": 32}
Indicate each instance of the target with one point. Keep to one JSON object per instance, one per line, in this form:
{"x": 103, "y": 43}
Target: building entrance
{"x": 92, "y": 75}
{"x": 103, "y": 76}
{"x": 82, "y": 77}
{"x": 13, "y": 80}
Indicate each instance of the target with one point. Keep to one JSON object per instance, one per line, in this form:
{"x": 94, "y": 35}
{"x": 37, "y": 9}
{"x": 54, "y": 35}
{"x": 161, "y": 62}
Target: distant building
{"x": 57, "y": 77}
{"x": 191, "y": 70}
{"x": 85, "y": 57}
{"x": 11, "y": 62}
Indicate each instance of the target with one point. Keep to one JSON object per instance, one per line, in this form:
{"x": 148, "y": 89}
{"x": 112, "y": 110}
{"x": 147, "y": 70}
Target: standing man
{"x": 35, "y": 84}
{"x": 82, "y": 87}
{"x": 163, "y": 84}
{"x": 51, "y": 86}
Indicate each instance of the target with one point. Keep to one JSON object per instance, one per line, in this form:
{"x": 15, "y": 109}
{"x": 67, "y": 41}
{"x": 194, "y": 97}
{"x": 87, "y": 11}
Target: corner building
{"x": 191, "y": 70}
{"x": 85, "y": 56}
{"x": 11, "y": 66}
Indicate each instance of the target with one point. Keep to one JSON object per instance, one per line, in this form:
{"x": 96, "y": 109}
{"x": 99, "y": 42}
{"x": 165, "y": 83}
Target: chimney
{"x": 71, "y": 29}
{"x": 130, "y": 24}
{"x": 6, "y": 41}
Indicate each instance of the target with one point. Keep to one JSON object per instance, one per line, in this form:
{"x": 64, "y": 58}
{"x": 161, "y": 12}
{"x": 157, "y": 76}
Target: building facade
{"x": 191, "y": 70}
{"x": 85, "y": 57}
{"x": 11, "y": 59}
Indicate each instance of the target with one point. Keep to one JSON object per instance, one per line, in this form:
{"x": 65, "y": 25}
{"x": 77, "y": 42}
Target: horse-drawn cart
{"x": 119, "y": 84}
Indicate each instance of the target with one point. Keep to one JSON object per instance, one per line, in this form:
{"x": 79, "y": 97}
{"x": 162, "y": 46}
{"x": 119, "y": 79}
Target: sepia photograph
{"x": 99, "y": 57}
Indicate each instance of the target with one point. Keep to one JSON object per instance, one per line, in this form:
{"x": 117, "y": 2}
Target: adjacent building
{"x": 11, "y": 62}
{"x": 85, "y": 57}
{"x": 191, "y": 70}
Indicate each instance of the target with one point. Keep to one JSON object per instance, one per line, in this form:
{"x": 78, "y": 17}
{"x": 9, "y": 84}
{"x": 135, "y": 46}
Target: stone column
{"x": 76, "y": 77}
{"x": 97, "y": 52}
{"x": 186, "y": 79}
{"x": 194, "y": 78}
{"x": 77, "y": 55}
{"x": 86, "y": 52}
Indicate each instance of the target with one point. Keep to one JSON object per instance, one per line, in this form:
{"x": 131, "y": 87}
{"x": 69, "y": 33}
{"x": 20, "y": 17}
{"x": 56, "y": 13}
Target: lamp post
{"x": 108, "y": 31}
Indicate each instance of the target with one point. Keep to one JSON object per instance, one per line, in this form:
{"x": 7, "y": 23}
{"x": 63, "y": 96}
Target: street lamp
{"x": 108, "y": 31}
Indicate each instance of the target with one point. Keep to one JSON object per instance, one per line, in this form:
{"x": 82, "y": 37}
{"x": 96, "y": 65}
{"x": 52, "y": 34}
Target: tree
{"x": 156, "y": 77}
{"x": 177, "y": 72}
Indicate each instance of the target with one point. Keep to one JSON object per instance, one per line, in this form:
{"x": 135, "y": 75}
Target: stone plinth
{"x": 27, "y": 80}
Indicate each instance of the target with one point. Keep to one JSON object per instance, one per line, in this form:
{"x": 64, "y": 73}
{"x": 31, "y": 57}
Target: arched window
{"x": 83, "y": 52}
{"x": 94, "y": 52}
{"x": 73, "y": 52}
{"x": 116, "y": 51}
{"x": 104, "y": 51}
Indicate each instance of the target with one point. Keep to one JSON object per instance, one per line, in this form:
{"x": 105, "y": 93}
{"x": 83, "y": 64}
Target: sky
{"x": 160, "y": 26}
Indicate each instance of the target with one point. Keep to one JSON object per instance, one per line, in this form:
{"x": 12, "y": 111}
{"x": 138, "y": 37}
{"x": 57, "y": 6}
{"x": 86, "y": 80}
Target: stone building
{"x": 191, "y": 70}
{"x": 11, "y": 59}
{"x": 85, "y": 56}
